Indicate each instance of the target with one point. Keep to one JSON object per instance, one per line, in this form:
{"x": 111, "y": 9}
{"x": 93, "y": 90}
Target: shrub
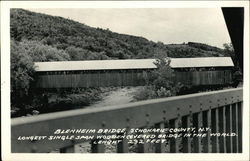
{"x": 158, "y": 82}
{"x": 163, "y": 92}
{"x": 144, "y": 93}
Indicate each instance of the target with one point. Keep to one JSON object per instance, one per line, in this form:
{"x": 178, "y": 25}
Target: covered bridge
{"x": 100, "y": 73}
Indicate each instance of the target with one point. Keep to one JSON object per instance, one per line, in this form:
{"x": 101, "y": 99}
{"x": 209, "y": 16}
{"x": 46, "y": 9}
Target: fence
{"x": 221, "y": 111}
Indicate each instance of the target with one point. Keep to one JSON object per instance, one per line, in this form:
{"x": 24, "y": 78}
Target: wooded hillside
{"x": 82, "y": 42}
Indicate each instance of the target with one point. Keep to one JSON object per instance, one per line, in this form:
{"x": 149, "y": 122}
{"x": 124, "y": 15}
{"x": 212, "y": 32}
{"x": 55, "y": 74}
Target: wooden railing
{"x": 218, "y": 111}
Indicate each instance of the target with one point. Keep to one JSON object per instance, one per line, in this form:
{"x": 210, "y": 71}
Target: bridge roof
{"x": 132, "y": 64}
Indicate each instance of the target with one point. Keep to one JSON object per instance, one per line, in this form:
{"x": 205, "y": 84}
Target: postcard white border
{"x": 5, "y": 79}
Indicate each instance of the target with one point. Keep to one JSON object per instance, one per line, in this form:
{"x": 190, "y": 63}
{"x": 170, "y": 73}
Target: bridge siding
{"x": 127, "y": 78}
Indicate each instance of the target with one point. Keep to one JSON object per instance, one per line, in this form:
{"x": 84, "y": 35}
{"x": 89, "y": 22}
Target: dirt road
{"x": 121, "y": 95}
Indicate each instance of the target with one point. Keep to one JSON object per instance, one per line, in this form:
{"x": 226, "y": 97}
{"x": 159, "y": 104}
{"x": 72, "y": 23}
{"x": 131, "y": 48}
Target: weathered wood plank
{"x": 239, "y": 127}
{"x": 235, "y": 127}
{"x": 160, "y": 147}
{"x": 207, "y": 123}
{"x": 197, "y": 120}
{"x": 174, "y": 144}
{"x": 222, "y": 129}
{"x": 229, "y": 141}
{"x": 97, "y": 148}
{"x": 122, "y": 147}
{"x": 69, "y": 149}
{"x": 186, "y": 141}
{"x": 215, "y": 129}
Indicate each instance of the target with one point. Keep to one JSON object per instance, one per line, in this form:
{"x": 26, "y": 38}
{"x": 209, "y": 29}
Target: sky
{"x": 167, "y": 25}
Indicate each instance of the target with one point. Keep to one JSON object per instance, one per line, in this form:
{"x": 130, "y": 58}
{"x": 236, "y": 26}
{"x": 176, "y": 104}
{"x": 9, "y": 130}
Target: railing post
{"x": 197, "y": 120}
{"x": 235, "y": 127}
{"x": 174, "y": 145}
{"x": 229, "y": 128}
{"x": 239, "y": 133}
{"x": 160, "y": 147}
{"x": 222, "y": 129}
{"x": 122, "y": 147}
{"x": 69, "y": 149}
{"x": 207, "y": 123}
{"x": 186, "y": 141}
{"x": 143, "y": 148}
{"x": 146, "y": 147}
{"x": 215, "y": 129}
{"x": 97, "y": 148}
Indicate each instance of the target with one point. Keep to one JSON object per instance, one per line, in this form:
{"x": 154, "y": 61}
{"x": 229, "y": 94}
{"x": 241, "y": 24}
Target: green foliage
{"x": 72, "y": 98}
{"x": 204, "y": 47}
{"x": 22, "y": 70}
{"x": 163, "y": 92}
{"x": 229, "y": 51}
{"x": 237, "y": 74}
{"x": 23, "y": 56}
{"x": 159, "y": 82}
{"x": 144, "y": 93}
{"x": 22, "y": 74}
{"x": 97, "y": 56}
{"x": 61, "y": 100}
{"x": 40, "y": 52}
{"x": 76, "y": 53}
{"x": 163, "y": 75}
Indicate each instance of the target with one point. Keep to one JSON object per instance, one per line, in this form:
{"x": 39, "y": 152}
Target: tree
{"x": 97, "y": 56}
{"x": 40, "y": 52}
{"x": 237, "y": 73}
{"x": 229, "y": 51}
{"x": 23, "y": 56}
{"x": 163, "y": 75}
{"x": 22, "y": 67}
{"x": 22, "y": 73}
{"x": 76, "y": 53}
{"x": 159, "y": 82}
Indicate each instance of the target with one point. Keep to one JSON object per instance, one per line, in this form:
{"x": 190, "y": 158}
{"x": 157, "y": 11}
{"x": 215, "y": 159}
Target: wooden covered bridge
{"x": 131, "y": 72}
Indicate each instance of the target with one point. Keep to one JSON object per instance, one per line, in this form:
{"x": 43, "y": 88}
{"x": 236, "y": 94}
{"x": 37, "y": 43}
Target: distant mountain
{"x": 81, "y": 42}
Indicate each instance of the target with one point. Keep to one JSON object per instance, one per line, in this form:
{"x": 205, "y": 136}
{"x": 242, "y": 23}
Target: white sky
{"x": 168, "y": 25}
